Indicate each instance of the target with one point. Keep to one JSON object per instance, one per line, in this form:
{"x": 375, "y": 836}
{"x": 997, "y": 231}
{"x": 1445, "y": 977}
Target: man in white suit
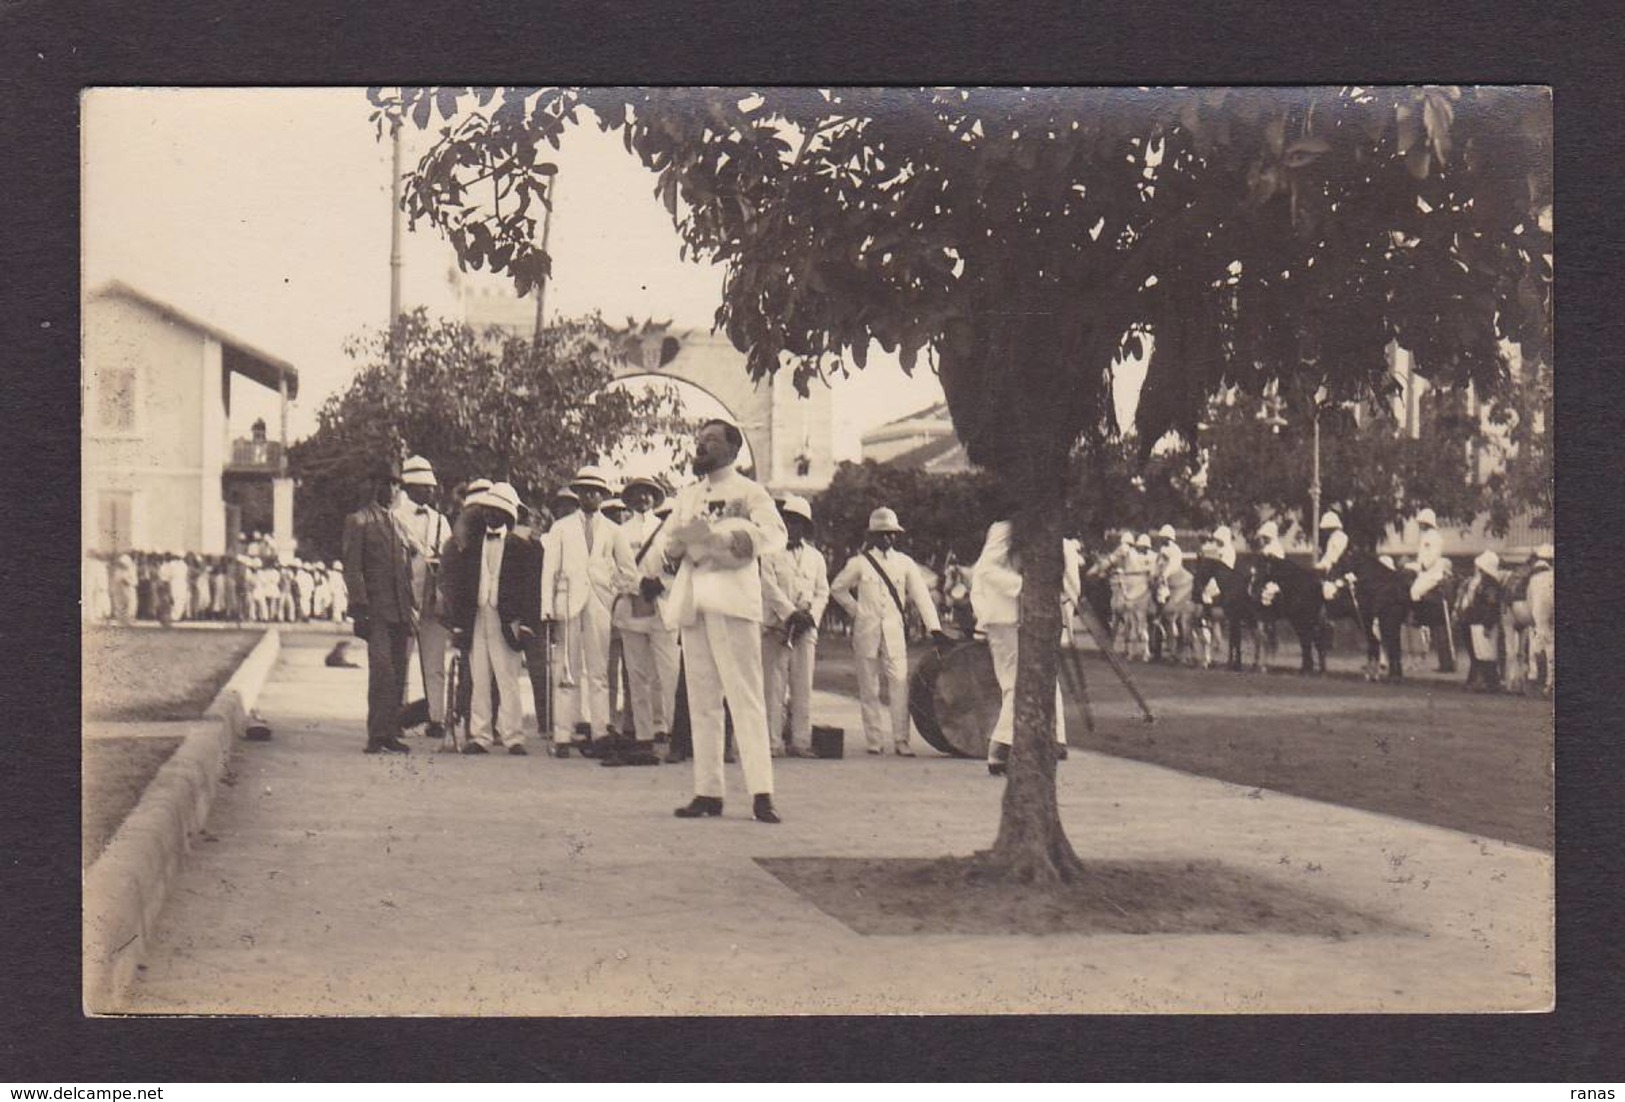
{"x": 795, "y": 591}
{"x": 636, "y": 617}
{"x": 705, "y": 560}
{"x": 873, "y": 587}
{"x": 427, "y": 533}
{"x": 586, "y": 563}
{"x": 995, "y": 596}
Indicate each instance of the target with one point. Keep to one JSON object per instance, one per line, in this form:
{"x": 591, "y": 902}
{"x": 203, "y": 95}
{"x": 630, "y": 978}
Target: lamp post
{"x": 1271, "y": 416}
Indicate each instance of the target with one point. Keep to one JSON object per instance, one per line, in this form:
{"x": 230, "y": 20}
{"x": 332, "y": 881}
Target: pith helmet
{"x": 884, "y": 520}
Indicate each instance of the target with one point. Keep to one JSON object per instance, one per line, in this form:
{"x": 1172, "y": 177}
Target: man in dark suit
{"x": 378, "y": 570}
{"x": 495, "y": 590}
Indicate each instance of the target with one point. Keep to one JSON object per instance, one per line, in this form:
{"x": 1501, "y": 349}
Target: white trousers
{"x": 668, "y": 658}
{"x": 433, "y": 646}
{"x": 788, "y": 669}
{"x": 490, "y": 656}
{"x": 643, "y": 681}
{"x": 895, "y": 669}
{"x": 1001, "y": 640}
{"x": 723, "y": 661}
{"x": 589, "y": 664}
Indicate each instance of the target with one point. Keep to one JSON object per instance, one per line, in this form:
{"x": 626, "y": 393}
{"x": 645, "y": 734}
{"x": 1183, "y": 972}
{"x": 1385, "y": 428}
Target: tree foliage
{"x": 476, "y": 405}
{"x": 943, "y": 512}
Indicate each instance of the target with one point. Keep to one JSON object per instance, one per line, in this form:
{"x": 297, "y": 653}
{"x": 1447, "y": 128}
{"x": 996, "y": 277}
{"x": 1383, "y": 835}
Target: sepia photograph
{"x": 901, "y": 551}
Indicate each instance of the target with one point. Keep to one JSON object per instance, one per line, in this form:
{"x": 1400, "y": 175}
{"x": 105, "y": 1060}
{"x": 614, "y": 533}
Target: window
{"x": 114, "y": 517}
{"x": 116, "y": 399}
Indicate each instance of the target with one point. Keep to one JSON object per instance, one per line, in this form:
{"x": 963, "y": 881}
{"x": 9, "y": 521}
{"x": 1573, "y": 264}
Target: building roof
{"x": 933, "y": 419}
{"x": 240, "y": 356}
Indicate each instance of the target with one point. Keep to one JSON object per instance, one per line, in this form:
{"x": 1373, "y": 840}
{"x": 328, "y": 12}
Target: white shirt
{"x": 995, "y": 584}
{"x": 704, "y": 584}
{"x": 491, "y": 568}
{"x": 426, "y": 533}
{"x": 1430, "y": 549}
{"x": 792, "y": 580}
{"x": 1336, "y": 544}
{"x": 1170, "y": 560}
{"x": 875, "y": 616}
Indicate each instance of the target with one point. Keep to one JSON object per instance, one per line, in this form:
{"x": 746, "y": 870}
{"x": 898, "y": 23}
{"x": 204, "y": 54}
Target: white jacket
{"x": 875, "y": 617}
{"x": 995, "y": 585}
{"x": 601, "y": 574}
{"x": 794, "y": 580}
{"x": 638, "y": 529}
{"x": 702, "y": 583}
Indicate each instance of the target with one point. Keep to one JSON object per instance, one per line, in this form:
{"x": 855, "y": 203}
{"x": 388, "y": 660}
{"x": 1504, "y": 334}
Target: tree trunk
{"x": 1032, "y": 846}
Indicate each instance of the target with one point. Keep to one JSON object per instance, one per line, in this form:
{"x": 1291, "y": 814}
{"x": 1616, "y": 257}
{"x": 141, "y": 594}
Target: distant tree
{"x": 1521, "y": 426}
{"x": 1031, "y": 238}
{"x": 943, "y": 512}
{"x": 476, "y": 405}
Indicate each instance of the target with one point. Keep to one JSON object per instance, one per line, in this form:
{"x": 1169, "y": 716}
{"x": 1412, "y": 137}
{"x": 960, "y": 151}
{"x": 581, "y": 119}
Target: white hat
{"x": 1544, "y": 552}
{"x": 656, "y": 489}
{"x": 1330, "y": 519}
{"x": 1386, "y": 560}
{"x": 1489, "y": 562}
{"x": 417, "y": 471}
{"x": 591, "y": 478}
{"x": 611, "y": 503}
{"x": 800, "y": 506}
{"x": 564, "y": 493}
{"x": 1427, "y": 517}
{"x": 501, "y": 496}
{"x": 884, "y": 520}
{"x": 1268, "y": 531}
{"x": 1142, "y": 540}
{"x": 474, "y": 489}
{"x": 1222, "y": 534}
{"x": 1126, "y": 538}
{"x": 1167, "y": 532}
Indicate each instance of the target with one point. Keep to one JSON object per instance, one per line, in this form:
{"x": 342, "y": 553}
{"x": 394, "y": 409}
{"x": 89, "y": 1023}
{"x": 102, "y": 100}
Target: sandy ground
{"x": 343, "y": 884}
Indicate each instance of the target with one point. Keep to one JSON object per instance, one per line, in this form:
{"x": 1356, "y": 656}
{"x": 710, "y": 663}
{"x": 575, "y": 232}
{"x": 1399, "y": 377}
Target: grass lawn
{"x": 116, "y": 772}
{"x": 1431, "y": 753}
{"x": 145, "y": 674}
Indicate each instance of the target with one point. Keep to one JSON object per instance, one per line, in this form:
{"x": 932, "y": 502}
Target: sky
{"x": 267, "y": 212}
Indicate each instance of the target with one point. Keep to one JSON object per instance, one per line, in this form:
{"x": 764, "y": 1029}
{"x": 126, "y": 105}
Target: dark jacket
{"x": 377, "y": 569}
{"x": 1481, "y": 601}
{"x": 519, "y": 590}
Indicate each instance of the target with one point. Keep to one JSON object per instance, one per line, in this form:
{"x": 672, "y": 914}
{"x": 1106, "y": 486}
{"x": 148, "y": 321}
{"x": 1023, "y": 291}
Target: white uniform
{"x": 1336, "y": 544}
{"x": 490, "y": 658}
{"x": 1431, "y": 565}
{"x": 1170, "y": 560}
{"x": 587, "y": 563}
{"x": 645, "y": 640}
{"x": 716, "y": 604}
{"x": 791, "y": 580}
{"x": 995, "y": 596}
{"x": 879, "y": 642}
{"x": 1273, "y": 548}
{"x": 426, "y": 534}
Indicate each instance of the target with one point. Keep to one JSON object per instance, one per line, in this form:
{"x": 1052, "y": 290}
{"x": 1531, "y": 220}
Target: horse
{"x": 1284, "y": 590}
{"x": 1527, "y": 625}
{"x": 1377, "y": 598}
{"x": 1176, "y": 614}
{"x": 1224, "y": 595}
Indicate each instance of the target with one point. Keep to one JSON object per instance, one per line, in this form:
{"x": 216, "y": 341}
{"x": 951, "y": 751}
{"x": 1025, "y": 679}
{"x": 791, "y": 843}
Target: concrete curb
{"x": 125, "y": 890}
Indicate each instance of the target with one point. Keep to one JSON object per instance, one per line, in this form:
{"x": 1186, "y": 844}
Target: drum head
{"x": 954, "y": 699}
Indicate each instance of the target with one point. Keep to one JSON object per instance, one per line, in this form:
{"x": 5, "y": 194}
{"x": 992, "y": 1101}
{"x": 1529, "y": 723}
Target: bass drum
{"x": 954, "y": 699}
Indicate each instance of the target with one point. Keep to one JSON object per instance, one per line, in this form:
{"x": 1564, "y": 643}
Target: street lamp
{"x": 1271, "y": 416}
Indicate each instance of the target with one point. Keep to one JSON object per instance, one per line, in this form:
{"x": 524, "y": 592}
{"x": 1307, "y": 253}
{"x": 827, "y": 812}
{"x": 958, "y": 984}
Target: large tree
{"x": 477, "y": 405}
{"x": 1029, "y": 239}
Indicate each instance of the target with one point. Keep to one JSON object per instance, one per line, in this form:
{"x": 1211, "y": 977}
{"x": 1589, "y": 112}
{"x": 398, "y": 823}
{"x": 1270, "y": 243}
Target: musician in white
{"x": 705, "y": 560}
{"x": 637, "y": 618}
{"x": 586, "y": 564}
{"x": 1334, "y": 544}
{"x": 427, "y": 531}
{"x": 1170, "y": 560}
{"x": 995, "y": 594}
{"x": 873, "y": 587}
{"x": 795, "y": 592}
{"x": 1431, "y": 566}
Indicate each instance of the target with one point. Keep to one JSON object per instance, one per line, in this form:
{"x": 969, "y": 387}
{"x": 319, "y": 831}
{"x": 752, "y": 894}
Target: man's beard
{"x": 703, "y": 465}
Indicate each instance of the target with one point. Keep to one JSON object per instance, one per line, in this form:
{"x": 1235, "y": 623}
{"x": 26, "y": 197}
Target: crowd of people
{"x": 168, "y": 587}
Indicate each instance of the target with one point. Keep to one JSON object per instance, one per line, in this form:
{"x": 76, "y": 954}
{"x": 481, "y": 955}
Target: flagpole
{"x": 541, "y": 286}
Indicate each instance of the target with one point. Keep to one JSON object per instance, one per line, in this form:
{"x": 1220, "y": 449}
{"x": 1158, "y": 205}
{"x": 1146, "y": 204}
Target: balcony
{"x": 255, "y": 457}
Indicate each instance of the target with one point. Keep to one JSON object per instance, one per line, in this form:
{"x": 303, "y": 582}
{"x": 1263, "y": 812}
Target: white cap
{"x": 1330, "y": 519}
{"x": 591, "y": 478}
{"x": 1427, "y": 517}
{"x": 1489, "y": 562}
{"x": 474, "y": 489}
{"x": 884, "y": 520}
{"x": 1126, "y": 538}
{"x": 1142, "y": 540}
{"x": 417, "y": 471}
{"x": 564, "y": 493}
{"x": 1167, "y": 532}
{"x": 1268, "y": 531}
{"x": 800, "y": 506}
{"x": 501, "y": 496}
{"x": 1222, "y": 533}
{"x": 612, "y": 503}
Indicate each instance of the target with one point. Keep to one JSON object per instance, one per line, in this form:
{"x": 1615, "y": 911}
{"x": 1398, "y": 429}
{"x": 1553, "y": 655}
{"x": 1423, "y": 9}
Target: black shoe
{"x": 435, "y": 730}
{"x": 998, "y": 763}
{"x": 763, "y": 810}
{"x": 561, "y": 749}
{"x": 700, "y": 805}
{"x": 386, "y": 748}
{"x": 677, "y": 759}
{"x": 1060, "y": 751}
{"x": 395, "y": 746}
{"x": 518, "y": 749}
{"x": 475, "y": 748}
{"x": 662, "y": 736}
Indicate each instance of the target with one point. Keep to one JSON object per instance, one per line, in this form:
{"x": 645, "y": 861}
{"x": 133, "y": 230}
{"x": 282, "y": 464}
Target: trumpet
{"x": 561, "y": 611}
